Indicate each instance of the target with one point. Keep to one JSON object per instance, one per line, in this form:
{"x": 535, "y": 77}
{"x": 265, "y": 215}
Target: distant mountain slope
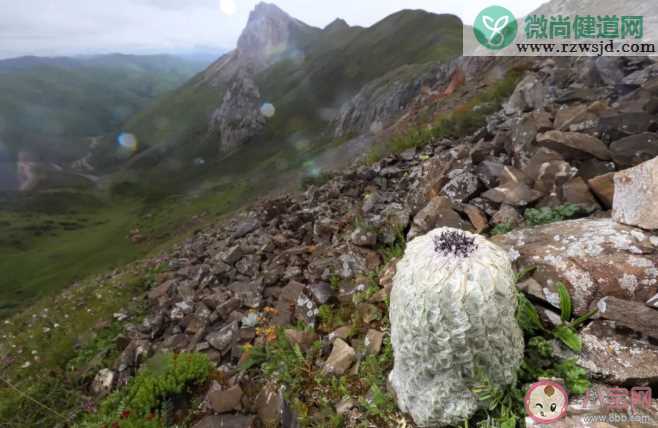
{"x": 305, "y": 73}
{"x": 49, "y": 104}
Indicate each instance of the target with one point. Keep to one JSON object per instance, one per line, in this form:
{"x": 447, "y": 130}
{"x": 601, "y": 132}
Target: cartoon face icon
{"x": 546, "y": 402}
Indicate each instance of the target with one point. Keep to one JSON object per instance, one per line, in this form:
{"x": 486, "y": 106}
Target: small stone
{"x": 322, "y": 292}
{"x": 437, "y": 213}
{"x": 224, "y": 338}
{"x": 373, "y": 342}
{"x": 576, "y": 192}
{"x": 233, "y": 254}
{"x": 291, "y": 292}
{"x": 636, "y": 196}
{"x": 364, "y": 238}
{"x": 343, "y": 333}
{"x": 269, "y": 405}
{"x": 245, "y": 228}
{"x": 368, "y": 312}
{"x": 603, "y": 187}
{"x": 653, "y": 302}
{"x": 226, "y": 421}
{"x": 341, "y": 359}
{"x": 344, "y": 406}
{"x": 103, "y": 383}
{"x": 227, "y": 400}
{"x": 462, "y": 187}
{"x": 477, "y": 217}
{"x": 304, "y": 339}
{"x": 507, "y": 215}
{"x": 511, "y": 193}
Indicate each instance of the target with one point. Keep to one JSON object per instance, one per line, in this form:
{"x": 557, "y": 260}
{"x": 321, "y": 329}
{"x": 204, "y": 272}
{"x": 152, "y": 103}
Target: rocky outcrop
{"x": 593, "y": 258}
{"x": 383, "y": 100}
{"x": 239, "y": 118}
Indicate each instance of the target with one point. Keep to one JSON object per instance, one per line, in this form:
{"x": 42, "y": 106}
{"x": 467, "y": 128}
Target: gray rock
{"x": 103, "y": 383}
{"x": 461, "y": 187}
{"x": 615, "y": 358}
{"x": 437, "y": 213}
{"x": 636, "y": 196}
{"x": 511, "y": 193}
{"x": 322, "y": 292}
{"x": 530, "y": 94}
{"x": 226, "y": 421}
{"x": 223, "y": 339}
{"x": 593, "y": 258}
{"x": 507, "y": 215}
{"x": 577, "y": 192}
{"x": 634, "y": 315}
{"x": 604, "y": 188}
{"x": 341, "y": 358}
{"x": 227, "y": 400}
{"x": 634, "y": 150}
{"x": 574, "y": 145}
{"x": 364, "y": 237}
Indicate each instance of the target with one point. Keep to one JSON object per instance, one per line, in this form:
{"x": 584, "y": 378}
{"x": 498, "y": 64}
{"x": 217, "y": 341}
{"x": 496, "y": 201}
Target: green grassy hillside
{"x": 49, "y": 104}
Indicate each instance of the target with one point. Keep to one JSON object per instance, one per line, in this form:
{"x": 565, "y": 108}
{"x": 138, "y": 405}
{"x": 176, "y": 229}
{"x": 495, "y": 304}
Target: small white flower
{"x": 26, "y": 365}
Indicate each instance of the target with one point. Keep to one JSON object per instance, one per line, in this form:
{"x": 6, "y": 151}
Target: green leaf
{"x": 520, "y": 276}
{"x": 574, "y": 376}
{"x": 509, "y": 422}
{"x": 566, "y": 305}
{"x": 569, "y": 337}
{"x": 583, "y": 318}
{"x": 527, "y": 316}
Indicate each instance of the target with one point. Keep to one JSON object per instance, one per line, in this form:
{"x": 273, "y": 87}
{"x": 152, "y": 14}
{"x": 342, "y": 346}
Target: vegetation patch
{"x": 539, "y": 216}
{"x": 142, "y": 403}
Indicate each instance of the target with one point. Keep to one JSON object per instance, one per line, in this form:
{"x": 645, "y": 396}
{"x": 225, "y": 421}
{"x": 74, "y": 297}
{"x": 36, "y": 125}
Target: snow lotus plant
{"x": 452, "y": 317}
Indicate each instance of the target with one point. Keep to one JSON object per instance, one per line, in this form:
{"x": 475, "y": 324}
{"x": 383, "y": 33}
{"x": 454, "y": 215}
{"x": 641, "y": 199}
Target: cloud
{"x": 68, "y": 27}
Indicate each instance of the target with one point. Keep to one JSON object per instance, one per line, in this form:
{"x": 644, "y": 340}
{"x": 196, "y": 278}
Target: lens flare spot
{"x": 376, "y": 127}
{"x": 228, "y": 7}
{"x": 268, "y": 110}
{"x": 302, "y": 145}
{"x": 312, "y": 169}
{"x": 128, "y": 142}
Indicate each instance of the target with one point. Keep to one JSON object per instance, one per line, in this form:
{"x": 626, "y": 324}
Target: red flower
{"x": 125, "y": 414}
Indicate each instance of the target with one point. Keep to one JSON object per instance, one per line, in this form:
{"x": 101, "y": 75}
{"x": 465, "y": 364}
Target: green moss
{"x": 140, "y": 403}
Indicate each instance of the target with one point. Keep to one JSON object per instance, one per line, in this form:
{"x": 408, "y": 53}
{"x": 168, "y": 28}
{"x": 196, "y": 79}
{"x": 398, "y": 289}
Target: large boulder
{"x": 618, "y": 358}
{"x": 574, "y": 145}
{"x": 593, "y": 258}
{"x": 636, "y": 196}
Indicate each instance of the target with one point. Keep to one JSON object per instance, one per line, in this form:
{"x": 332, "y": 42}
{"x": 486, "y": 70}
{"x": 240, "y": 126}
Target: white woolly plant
{"x": 452, "y": 314}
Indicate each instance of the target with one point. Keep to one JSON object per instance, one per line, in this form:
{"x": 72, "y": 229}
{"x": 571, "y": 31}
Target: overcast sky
{"x": 69, "y": 27}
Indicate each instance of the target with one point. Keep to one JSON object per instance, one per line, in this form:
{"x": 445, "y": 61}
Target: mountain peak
{"x": 337, "y": 25}
{"x": 265, "y": 10}
{"x": 269, "y": 35}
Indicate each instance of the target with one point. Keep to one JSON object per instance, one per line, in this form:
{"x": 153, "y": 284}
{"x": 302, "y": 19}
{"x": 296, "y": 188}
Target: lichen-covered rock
{"x": 593, "y": 258}
{"x": 452, "y": 317}
{"x": 636, "y": 197}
